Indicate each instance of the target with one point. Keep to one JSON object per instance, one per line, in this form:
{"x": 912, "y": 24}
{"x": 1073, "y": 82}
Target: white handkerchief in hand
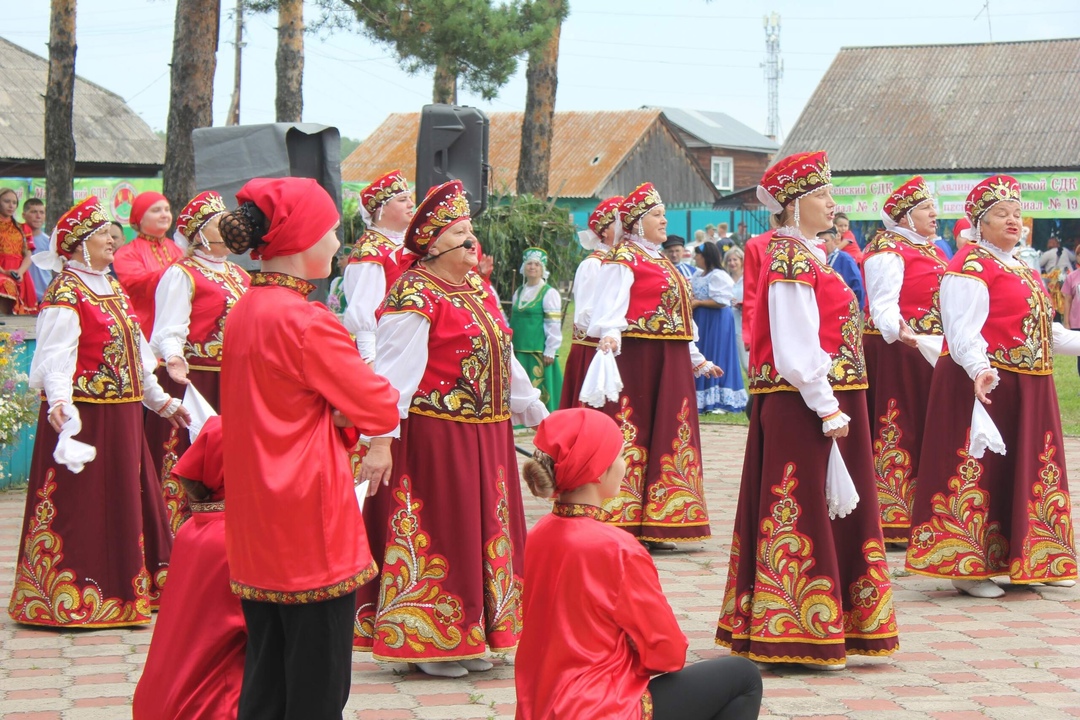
{"x": 361, "y": 494}
{"x": 984, "y": 433}
{"x": 602, "y": 383}
{"x": 69, "y": 451}
{"x": 840, "y": 494}
{"x": 930, "y": 347}
{"x": 199, "y": 409}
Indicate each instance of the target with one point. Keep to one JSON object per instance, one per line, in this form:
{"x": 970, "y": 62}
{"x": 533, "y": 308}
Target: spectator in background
{"x": 722, "y": 231}
{"x": 846, "y": 238}
{"x": 674, "y": 249}
{"x": 741, "y": 233}
{"x": 17, "y": 295}
{"x": 1055, "y": 264}
{"x": 710, "y": 233}
{"x": 699, "y": 237}
{"x": 1070, "y": 291}
{"x": 945, "y": 247}
{"x": 961, "y": 233}
{"x": 843, "y": 263}
{"x": 33, "y": 212}
{"x": 116, "y": 232}
{"x": 733, "y": 263}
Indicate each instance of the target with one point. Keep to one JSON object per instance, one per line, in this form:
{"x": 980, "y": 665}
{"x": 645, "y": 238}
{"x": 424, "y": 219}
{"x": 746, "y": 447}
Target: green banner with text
{"x": 1045, "y": 195}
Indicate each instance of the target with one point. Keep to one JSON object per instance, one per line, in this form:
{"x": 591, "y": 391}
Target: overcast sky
{"x": 682, "y": 53}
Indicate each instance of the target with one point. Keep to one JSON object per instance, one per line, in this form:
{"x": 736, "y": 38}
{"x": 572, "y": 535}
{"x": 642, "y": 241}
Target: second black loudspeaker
{"x": 453, "y": 145}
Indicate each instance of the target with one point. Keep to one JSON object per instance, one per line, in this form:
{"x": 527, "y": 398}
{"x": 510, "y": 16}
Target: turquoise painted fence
{"x": 16, "y": 458}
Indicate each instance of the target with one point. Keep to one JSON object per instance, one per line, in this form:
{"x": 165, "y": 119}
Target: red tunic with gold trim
{"x": 450, "y": 528}
{"x": 94, "y": 549}
{"x": 139, "y": 266}
{"x": 902, "y": 279}
{"x": 195, "y": 664}
{"x": 976, "y": 518}
{"x": 646, "y": 299}
{"x": 294, "y": 533}
{"x": 13, "y": 245}
{"x": 193, "y": 299}
{"x": 801, "y": 587}
{"x": 374, "y": 247}
{"x": 598, "y": 624}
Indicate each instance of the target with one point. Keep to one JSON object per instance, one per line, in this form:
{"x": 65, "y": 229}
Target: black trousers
{"x": 727, "y": 688}
{"x": 298, "y": 664}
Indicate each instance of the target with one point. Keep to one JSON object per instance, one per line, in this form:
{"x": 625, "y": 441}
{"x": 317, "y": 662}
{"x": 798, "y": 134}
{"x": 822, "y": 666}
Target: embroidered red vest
{"x": 1018, "y": 330}
{"x": 839, "y": 331}
{"x": 467, "y": 378}
{"x": 374, "y": 247}
{"x": 659, "y": 298}
{"x": 213, "y": 297}
{"x": 108, "y": 367}
{"x": 924, "y": 266}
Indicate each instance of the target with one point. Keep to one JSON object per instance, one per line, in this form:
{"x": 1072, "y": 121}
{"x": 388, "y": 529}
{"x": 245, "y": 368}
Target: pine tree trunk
{"x": 537, "y": 125}
{"x": 290, "y": 61}
{"x": 191, "y": 94}
{"x": 59, "y": 104}
{"x": 445, "y": 90}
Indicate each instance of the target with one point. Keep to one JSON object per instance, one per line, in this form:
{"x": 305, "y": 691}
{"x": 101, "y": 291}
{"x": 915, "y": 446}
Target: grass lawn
{"x": 1065, "y": 377}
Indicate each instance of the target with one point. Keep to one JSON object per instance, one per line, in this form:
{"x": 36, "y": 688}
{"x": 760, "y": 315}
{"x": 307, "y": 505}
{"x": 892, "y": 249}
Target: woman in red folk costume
{"x": 977, "y": 516}
{"x": 903, "y": 269}
{"x": 641, "y": 312}
{"x": 387, "y": 207}
{"x": 193, "y": 298}
{"x": 17, "y": 293}
{"x": 449, "y": 528}
{"x": 294, "y": 538}
{"x": 601, "y": 235}
{"x": 597, "y": 624}
{"x": 195, "y": 664}
{"x": 808, "y": 580}
{"x": 95, "y": 544}
{"x": 141, "y": 263}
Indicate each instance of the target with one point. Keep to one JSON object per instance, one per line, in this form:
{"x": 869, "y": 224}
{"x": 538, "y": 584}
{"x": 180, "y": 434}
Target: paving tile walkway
{"x": 960, "y": 658}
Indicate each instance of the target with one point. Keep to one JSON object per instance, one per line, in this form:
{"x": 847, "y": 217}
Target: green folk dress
{"x": 536, "y": 319}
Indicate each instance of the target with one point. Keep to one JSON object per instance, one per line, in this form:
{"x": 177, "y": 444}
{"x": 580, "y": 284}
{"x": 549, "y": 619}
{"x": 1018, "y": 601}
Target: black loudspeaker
{"x": 227, "y": 157}
{"x": 453, "y": 145}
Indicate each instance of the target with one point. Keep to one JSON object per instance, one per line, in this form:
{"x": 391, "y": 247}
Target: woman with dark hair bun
{"x": 295, "y": 539}
{"x": 713, "y": 291}
{"x": 597, "y": 626}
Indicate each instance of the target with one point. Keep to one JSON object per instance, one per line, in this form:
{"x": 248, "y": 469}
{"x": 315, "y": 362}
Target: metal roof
{"x": 106, "y": 130}
{"x": 988, "y": 106}
{"x": 587, "y": 148}
{"x": 717, "y": 129}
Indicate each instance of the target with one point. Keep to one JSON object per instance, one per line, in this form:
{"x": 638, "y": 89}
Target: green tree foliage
{"x": 511, "y": 224}
{"x": 478, "y": 42}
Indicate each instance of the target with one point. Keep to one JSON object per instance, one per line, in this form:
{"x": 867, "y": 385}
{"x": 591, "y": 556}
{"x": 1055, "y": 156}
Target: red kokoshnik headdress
{"x": 445, "y": 206}
{"x": 198, "y": 212}
{"x": 381, "y": 191}
{"x": 600, "y": 219}
{"x": 793, "y": 177}
{"x": 988, "y": 193}
{"x": 637, "y": 204}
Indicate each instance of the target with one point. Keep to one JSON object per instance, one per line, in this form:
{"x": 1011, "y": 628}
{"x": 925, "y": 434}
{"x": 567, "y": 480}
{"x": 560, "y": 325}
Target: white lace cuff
{"x": 834, "y": 422}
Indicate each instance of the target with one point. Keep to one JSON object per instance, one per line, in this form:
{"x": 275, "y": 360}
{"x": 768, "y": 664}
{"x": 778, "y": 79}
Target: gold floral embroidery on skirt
{"x": 959, "y": 540}
{"x": 45, "y": 593}
{"x": 502, "y": 586}
{"x": 176, "y": 501}
{"x": 626, "y": 507}
{"x": 892, "y": 467}
{"x": 678, "y": 496}
{"x": 789, "y": 602}
{"x": 870, "y": 597}
{"x": 1048, "y": 550}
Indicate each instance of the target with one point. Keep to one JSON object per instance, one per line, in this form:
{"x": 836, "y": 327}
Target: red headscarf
{"x": 141, "y": 204}
{"x": 582, "y": 442}
{"x": 204, "y": 461}
{"x": 299, "y": 210}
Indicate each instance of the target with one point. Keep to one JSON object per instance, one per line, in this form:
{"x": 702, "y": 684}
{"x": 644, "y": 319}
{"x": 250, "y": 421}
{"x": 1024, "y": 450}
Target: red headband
{"x": 582, "y": 442}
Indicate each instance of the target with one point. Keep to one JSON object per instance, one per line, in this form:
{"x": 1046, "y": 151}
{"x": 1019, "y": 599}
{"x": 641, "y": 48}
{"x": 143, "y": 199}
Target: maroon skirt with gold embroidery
{"x": 899, "y": 379}
{"x": 449, "y": 537}
{"x": 998, "y": 515}
{"x": 167, "y": 444}
{"x": 81, "y": 557}
{"x": 577, "y": 364}
{"x": 801, "y": 587}
{"x": 662, "y": 496}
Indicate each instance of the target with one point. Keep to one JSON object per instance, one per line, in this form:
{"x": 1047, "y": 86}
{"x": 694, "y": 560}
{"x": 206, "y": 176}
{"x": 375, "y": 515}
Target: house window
{"x": 723, "y": 173}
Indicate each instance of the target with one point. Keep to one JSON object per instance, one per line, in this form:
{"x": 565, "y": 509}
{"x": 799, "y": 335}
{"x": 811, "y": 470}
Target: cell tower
{"x": 774, "y": 70}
